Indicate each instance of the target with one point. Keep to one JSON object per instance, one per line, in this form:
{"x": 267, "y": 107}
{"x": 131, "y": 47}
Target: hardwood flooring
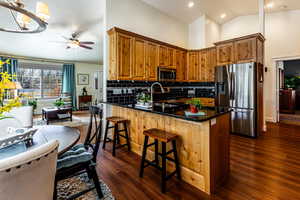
{"x": 267, "y": 168}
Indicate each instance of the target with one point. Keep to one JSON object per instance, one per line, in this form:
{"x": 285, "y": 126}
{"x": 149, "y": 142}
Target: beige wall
{"x": 139, "y": 17}
{"x": 282, "y": 40}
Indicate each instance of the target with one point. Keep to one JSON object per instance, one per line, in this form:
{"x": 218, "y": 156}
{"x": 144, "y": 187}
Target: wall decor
{"x": 83, "y": 79}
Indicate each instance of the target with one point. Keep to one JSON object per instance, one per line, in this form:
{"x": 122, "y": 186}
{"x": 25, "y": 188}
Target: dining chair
{"x": 82, "y": 157}
{"x": 29, "y": 175}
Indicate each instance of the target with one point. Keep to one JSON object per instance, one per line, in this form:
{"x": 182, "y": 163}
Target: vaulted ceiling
{"x": 67, "y": 16}
{"x": 215, "y": 8}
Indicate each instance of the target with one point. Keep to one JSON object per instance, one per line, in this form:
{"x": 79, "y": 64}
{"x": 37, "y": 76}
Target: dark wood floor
{"x": 267, "y": 168}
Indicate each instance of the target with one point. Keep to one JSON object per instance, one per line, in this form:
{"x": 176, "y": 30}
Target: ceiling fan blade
{"x": 58, "y": 42}
{"x": 84, "y": 46}
{"x": 87, "y": 42}
{"x": 66, "y": 38}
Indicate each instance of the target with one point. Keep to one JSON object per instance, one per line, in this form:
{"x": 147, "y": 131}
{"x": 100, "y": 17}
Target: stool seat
{"x": 116, "y": 120}
{"x": 160, "y": 135}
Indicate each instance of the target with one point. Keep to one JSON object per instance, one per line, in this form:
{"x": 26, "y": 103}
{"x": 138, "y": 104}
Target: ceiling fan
{"x": 74, "y": 42}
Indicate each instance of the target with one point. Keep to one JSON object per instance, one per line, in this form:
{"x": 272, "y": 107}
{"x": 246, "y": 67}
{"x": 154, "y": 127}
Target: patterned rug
{"x": 76, "y": 122}
{"x": 76, "y": 184}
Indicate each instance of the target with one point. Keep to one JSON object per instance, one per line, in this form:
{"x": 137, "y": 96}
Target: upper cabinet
{"x": 136, "y": 57}
{"x": 225, "y": 54}
{"x": 151, "y": 61}
{"x": 124, "y": 56}
{"x": 139, "y": 59}
{"x": 241, "y": 50}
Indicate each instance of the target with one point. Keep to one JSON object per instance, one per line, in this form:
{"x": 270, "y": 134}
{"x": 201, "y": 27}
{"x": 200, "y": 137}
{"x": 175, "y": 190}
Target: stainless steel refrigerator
{"x": 236, "y": 88}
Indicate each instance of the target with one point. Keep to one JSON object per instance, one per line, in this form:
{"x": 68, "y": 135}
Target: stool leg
{"x": 118, "y": 136}
{"x": 144, "y": 156}
{"x": 115, "y": 139}
{"x": 163, "y": 167}
{"x": 105, "y": 134}
{"x": 127, "y": 135}
{"x": 156, "y": 153}
{"x": 176, "y": 159}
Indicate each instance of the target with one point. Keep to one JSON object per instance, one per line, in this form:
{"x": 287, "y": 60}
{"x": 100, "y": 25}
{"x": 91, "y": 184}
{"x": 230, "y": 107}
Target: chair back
{"x": 29, "y": 175}
{"x": 94, "y": 132}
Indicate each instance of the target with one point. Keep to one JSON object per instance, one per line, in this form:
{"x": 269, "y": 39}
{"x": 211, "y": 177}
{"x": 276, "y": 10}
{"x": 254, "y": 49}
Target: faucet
{"x": 151, "y": 90}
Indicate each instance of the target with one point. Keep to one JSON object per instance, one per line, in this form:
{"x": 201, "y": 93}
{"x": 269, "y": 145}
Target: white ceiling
{"x": 67, "y": 16}
{"x": 214, "y": 8}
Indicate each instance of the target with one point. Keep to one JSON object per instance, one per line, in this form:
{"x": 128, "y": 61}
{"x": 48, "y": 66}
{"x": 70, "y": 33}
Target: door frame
{"x": 278, "y": 63}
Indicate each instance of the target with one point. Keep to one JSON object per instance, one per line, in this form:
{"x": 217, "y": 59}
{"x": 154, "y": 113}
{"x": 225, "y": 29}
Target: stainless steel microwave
{"x": 166, "y": 74}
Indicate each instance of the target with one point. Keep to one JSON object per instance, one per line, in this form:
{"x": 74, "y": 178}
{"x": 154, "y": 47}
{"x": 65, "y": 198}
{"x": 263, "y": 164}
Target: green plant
{"x": 59, "y": 102}
{"x": 195, "y": 102}
{"x": 290, "y": 82}
{"x": 143, "y": 97}
{"x": 33, "y": 103}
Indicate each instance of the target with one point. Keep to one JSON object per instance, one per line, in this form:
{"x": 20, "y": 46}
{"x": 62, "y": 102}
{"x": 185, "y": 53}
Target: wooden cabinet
{"x": 241, "y": 50}
{"x": 245, "y": 50}
{"x": 225, "y": 54}
{"x": 124, "y": 56}
{"x": 163, "y": 56}
{"x": 180, "y": 63}
{"x": 151, "y": 61}
{"x": 287, "y": 101}
{"x": 212, "y": 63}
{"x": 139, "y": 55}
{"x": 171, "y": 57}
{"x": 203, "y": 66}
{"x": 192, "y": 66}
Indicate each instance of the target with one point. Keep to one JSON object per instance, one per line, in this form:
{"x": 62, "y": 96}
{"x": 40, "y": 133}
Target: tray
{"x": 14, "y": 136}
{"x": 187, "y": 113}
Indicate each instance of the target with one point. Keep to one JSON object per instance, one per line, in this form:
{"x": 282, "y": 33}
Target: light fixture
{"x": 223, "y": 15}
{"x": 24, "y": 18}
{"x": 191, "y": 4}
{"x": 73, "y": 43}
{"x": 270, "y": 5}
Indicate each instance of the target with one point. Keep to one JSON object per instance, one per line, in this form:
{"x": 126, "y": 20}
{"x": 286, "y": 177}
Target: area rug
{"x": 76, "y": 122}
{"x": 79, "y": 183}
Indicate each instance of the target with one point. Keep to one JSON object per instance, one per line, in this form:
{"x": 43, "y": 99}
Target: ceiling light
{"x": 191, "y": 4}
{"x": 223, "y": 15}
{"x": 270, "y": 5}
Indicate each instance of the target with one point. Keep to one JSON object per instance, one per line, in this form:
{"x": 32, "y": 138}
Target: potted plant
{"x": 59, "y": 103}
{"x": 33, "y": 103}
{"x": 144, "y": 98}
{"x": 195, "y": 105}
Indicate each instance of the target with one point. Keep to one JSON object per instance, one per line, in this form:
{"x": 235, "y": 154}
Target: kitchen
{"x": 199, "y": 95}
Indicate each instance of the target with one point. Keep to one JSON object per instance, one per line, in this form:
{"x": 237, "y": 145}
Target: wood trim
{"x": 119, "y": 30}
{"x": 257, "y": 35}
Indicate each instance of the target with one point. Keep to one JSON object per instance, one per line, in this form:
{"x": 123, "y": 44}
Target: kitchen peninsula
{"x": 203, "y": 145}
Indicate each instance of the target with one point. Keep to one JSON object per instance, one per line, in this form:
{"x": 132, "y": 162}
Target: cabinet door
{"x": 151, "y": 61}
{"x": 138, "y": 70}
{"x": 124, "y": 56}
{"x": 113, "y": 69}
{"x": 180, "y": 62}
{"x": 163, "y": 56}
{"x": 192, "y": 66}
{"x": 212, "y": 62}
{"x": 225, "y": 54}
{"x": 171, "y": 57}
{"x": 245, "y": 50}
{"x": 203, "y": 66}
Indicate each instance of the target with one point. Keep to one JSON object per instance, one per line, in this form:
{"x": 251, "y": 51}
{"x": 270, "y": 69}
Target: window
{"x": 40, "y": 80}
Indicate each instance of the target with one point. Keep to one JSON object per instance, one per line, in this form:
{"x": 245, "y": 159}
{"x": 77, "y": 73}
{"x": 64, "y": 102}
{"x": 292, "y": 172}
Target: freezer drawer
{"x": 243, "y": 122}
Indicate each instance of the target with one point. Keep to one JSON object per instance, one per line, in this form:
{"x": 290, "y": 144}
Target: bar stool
{"x": 116, "y": 121}
{"x": 164, "y": 137}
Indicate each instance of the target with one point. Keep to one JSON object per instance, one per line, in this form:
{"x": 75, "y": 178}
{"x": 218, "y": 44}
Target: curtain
{"x": 69, "y": 84}
{"x": 11, "y": 68}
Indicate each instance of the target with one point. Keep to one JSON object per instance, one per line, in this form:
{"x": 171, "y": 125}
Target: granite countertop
{"x": 178, "y": 111}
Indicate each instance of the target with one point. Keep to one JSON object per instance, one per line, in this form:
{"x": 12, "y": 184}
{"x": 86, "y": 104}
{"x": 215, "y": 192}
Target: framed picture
{"x": 83, "y": 79}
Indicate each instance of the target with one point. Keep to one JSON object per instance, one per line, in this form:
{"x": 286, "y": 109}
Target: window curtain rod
{"x": 42, "y": 60}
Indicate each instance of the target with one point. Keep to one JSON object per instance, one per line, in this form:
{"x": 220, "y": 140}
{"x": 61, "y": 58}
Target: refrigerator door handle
{"x": 233, "y": 85}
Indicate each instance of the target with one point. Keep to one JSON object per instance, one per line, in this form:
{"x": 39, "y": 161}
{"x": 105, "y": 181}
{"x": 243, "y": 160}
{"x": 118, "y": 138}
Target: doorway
{"x": 288, "y": 91}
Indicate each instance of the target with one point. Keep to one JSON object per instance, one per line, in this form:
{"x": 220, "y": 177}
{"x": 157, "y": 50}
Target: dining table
{"x": 67, "y": 137}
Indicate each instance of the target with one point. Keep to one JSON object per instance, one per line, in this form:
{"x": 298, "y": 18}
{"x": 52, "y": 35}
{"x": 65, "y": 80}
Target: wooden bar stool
{"x": 116, "y": 121}
{"x": 164, "y": 137}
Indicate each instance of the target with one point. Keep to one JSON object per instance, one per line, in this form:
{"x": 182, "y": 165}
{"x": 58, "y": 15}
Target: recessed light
{"x": 223, "y": 15}
{"x": 270, "y": 5}
{"x": 191, "y": 4}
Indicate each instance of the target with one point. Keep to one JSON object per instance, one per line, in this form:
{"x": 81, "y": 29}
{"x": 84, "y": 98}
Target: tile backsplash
{"x": 124, "y": 92}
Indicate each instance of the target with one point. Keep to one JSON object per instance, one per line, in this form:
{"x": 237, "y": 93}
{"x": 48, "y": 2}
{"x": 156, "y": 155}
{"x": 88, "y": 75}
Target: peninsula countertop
{"x": 178, "y": 111}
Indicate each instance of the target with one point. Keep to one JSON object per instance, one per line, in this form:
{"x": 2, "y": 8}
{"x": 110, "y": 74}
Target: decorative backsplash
{"x": 124, "y": 92}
